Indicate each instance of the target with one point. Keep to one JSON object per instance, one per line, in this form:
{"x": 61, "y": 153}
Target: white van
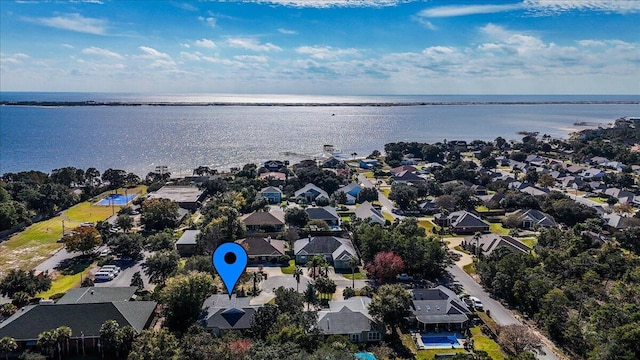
{"x": 103, "y": 275}
{"x": 110, "y": 268}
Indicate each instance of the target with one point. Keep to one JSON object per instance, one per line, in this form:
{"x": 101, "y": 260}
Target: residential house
{"x": 186, "y": 245}
{"x": 406, "y": 177}
{"x": 332, "y": 163}
{"x": 487, "y": 243}
{"x": 337, "y": 251}
{"x": 402, "y": 168}
{"x": 622, "y": 196}
{"x": 368, "y": 164}
{"x": 84, "y": 318}
{"x": 592, "y": 173}
{"x": 532, "y": 190}
{"x": 575, "y": 169}
{"x": 264, "y": 221}
{"x": 439, "y": 309}
{"x": 327, "y": 214}
{"x": 262, "y": 250}
{"x": 221, "y": 313}
{"x": 366, "y": 211}
{"x": 462, "y": 222}
{"x": 273, "y": 165}
{"x": 350, "y": 318}
{"x": 310, "y": 193}
{"x": 351, "y": 191}
{"x": 89, "y": 295}
{"x": 272, "y": 194}
{"x": 187, "y": 197}
{"x": 532, "y": 218}
{"x": 619, "y": 222}
{"x": 276, "y": 178}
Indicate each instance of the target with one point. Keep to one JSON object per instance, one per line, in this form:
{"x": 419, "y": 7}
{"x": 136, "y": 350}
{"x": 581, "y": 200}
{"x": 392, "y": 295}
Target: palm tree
{"x": 257, "y": 277}
{"x": 316, "y": 262}
{"x": 353, "y": 263}
{"x": 297, "y": 272}
{"x": 63, "y": 333}
{"x": 354, "y": 154}
{"x": 477, "y": 237}
{"x": 7, "y": 345}
{"x": 47, "y": 341}
{"x": 325, "y": 269}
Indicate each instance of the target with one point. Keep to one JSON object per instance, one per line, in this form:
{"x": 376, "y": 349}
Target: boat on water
{"x": 330, "y": 150}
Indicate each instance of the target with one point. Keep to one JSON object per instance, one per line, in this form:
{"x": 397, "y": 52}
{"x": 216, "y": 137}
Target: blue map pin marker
{"x": 230, "y": 260}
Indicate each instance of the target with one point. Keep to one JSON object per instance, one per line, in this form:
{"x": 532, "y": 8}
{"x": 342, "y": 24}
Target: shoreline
{"x": 307, "y": 104}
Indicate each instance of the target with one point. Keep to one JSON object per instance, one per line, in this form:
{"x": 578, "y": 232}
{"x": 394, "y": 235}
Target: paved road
{"x": 54, "y": 261}
{"x": 499, "y": 313}
{"x": 387, "y": 205}
{"x": 126, "y": 274}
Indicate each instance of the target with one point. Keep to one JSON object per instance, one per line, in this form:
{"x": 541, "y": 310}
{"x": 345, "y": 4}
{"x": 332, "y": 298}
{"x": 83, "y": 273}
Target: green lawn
{"x": 38, "y": 241}
{"x": 385, "y": 190}
{"x": 485, "y": 343}
{"x": 530, "y": 242}
{"x": 359, "y": 275}
{"x": 427, "y": 225}
{"x": 599, "y": 200}
{"x": 368, "y": 174}
{"x": 497, "y": 228}
{"x": 430, "y": 354}
{"x": 470, "y": 269}
{"x": 289, "y": 269}
{"x": 63, "y": 283}
{"x": 482, "y": 208}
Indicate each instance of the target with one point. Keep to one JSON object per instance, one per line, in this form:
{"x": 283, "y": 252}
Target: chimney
{"x": 269, "y": 239}
{"x": 309, "y": 237}
{"x": 328, "y": 325}
{"x": 92, "y": 291}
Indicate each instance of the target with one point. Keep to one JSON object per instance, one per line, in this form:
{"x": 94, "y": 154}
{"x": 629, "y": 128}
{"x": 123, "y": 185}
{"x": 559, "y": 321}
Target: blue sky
{"x": 322, "y": 47}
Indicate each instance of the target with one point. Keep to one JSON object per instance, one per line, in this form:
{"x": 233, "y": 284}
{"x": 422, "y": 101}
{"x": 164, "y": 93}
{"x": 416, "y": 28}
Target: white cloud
{"x": 426, "y": 23}
{"x": 209, "y": 21}
{"x": 205, "y": 43}
{"x": 555, "y": 6}
{"x": 68, "y": 46}
{"x": 464, "y": 10}
{"x": 287, "y": 31}
{"x": 151, "y": 53}
{"x": 73, "y": 22}
{"x": 101, "y": 52}
{"x": 252, "y": 44}
{"x": 252, "y": 58}
{"x": 326, "y": 52}
{"x": 191, "y": 56}
{"x": 334, "y": 3}
{"x": 13, "y": 58}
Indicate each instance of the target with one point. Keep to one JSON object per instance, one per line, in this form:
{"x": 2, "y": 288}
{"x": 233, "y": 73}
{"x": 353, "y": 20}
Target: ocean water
{"x": 138, "y": 138}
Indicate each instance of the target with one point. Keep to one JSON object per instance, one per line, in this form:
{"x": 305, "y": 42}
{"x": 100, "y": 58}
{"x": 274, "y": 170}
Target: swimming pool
{"x": 435, "y": 340}
{"x": 365, "y": 356}
{"x": 116, "y": 199}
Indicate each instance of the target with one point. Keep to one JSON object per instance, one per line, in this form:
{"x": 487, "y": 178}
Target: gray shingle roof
{"x": 87, "y": 295}
{"x": 438, "y": 305}
{"x": 323, "y": 245}
{"x": 87, "y": 318}
{"x": 344, "y": 321}
{"x": 322, "y": 213}
{"x": 188, "y": 237}
{"x": 223, "y": 313}
{"x": 256, "y": 246}
{"x": 261, "y": 218}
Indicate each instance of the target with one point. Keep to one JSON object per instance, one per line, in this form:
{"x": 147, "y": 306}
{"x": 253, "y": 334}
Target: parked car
{"x": 477, "y": 304}
{"x": 104, "y": 252}
{"x": 104, "y": 276}
{"x": 111, "y": 268}
{"x": 404, "y": 277}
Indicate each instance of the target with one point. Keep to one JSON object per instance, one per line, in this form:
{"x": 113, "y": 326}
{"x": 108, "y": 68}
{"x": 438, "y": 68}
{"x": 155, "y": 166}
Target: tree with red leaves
{"x": 385, "y": 266}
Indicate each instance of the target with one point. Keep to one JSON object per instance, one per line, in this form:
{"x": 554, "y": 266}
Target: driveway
{"x": 384, "y": 201}
{"x": 128, "y": 268}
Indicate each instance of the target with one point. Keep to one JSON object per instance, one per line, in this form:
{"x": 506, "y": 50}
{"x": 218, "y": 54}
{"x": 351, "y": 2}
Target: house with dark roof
{"x": 368, "y": 164}
{"x": 487, "y": 243}
{"x": 264, "y": 221}
{"x": 406, "y": 177}
{"x": 337, "y": 251}
{"x": 401, "y": 168}
{"x": 262, "y": 250}
{"x": 84, "y": 318}
{"x": 310, "y": 193}
{"x": 88, "y": 295}
{"x": 533, "y": 218}
{"x": 272, "y": 194}
{"x": 350, "y": 318}
{"x": 327, "y": 214}
{"x": 220, "y": 314}
{"x": 273, "y": 165}
{"x": 366, "y": 211}
{"x": 186, "y": 245}
{"x": 439, "y": 309}
{"x": 462, "y": 222}
{"x": 618, "y": 222}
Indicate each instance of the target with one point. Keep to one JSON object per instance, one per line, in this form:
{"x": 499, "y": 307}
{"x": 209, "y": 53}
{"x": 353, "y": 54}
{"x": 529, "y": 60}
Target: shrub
{"x": 348, "y": 292}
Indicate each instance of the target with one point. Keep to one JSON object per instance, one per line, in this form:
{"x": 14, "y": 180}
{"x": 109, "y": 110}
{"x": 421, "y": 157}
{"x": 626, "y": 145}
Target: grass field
{"x": 470, "y": 269}
{"x": 360, "y": 275}
{"x": 63, "y": 283}
{"x": 485, "y": 343}
{"x": 497, "y": 228}
{"x": 385, "y": 190}
{"x": 530, "y": 242}
{"x": 387, "y": 216}
{"x": 28, "y": 248}
{"x": 599, "y": 200}
{"x": 289, "y": 269}
{"x": 427, "y": 225}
